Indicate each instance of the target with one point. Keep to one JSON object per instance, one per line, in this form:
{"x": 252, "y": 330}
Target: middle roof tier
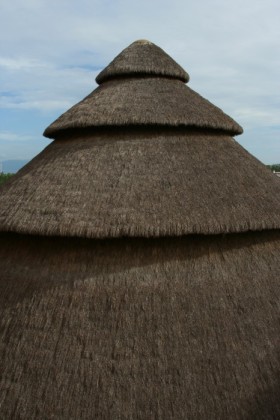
{"x": 149, "y": 101}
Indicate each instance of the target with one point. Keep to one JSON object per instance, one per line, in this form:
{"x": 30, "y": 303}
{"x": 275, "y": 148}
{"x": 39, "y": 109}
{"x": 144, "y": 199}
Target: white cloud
{"x": 20, "y": 146}
{"x": 11, "y": 137}
{"x": 19, "y": 63}
{"x": 230, "y": 49}
{"x": 42, "y": 105}
{"x": 43, "y": 87}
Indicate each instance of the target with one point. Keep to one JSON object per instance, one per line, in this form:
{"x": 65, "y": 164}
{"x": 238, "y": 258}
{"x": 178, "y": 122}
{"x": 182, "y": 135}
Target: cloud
{"x": 11, "y": 137}
{"x": 19, "y": 63}
{"x": 42, "y": 87}
{"x": 15, "y": 145}
{"x": 51, "y": 51}
{"x": 27, "y": 103}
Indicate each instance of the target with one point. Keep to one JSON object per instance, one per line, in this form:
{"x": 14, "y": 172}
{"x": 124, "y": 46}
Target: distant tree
{"x": 4, "y": 177}
{"x": 275, "y": 167}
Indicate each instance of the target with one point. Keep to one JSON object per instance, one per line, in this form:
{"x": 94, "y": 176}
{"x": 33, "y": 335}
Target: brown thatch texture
{"x": 184, "y": 328}
{"x": 143, "y": 101}
{"x": 143, "y": 57}
{"x": 141, "y": 183}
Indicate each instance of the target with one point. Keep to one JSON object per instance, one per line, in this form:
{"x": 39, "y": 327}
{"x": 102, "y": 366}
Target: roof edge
{"x": 137, "y": 232}
{"x": 72, "y": 131}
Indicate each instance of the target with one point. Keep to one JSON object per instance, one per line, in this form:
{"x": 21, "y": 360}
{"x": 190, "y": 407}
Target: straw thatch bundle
{"x": 140, "y": 260}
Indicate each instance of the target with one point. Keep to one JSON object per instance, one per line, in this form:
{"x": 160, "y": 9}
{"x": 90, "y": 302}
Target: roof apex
{"x": 142, "y": 57}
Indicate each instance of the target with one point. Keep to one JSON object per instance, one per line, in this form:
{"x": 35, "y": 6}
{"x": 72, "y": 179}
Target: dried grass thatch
{"x": 149, "y": 183}
{"x": 143, "y": 58}
{"x": 179, "y": 324}
{"x": 145, "y": 101}
{"x": 144, "y": 86}
{"x": 170, "y": 328}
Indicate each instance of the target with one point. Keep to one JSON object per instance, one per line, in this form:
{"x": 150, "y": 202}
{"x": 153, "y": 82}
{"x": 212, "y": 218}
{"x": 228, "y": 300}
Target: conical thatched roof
{"x": 143, "y": 58}
{"x": 174, "y": 313}
{"x": 138, "y": 183}
{"x": 141, "y": 156}
{"x": 143, "y": 86}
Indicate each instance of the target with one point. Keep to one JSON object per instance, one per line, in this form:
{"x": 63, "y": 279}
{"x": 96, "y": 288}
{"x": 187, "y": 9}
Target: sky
{"x": 51, "y": 52}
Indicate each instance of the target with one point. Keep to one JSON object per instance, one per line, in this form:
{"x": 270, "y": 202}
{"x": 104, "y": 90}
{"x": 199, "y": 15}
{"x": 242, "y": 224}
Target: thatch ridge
{"x": 142, "y": 57}
{"x": 141, "y": 184}
{"x": 143, "y": 101}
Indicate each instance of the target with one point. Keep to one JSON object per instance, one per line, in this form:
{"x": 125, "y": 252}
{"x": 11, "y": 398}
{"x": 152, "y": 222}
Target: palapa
{"x": 140, "y": 260}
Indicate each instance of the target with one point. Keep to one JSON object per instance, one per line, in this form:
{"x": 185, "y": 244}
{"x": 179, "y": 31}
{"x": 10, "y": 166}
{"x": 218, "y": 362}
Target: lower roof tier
{"x": 147, "y": 184}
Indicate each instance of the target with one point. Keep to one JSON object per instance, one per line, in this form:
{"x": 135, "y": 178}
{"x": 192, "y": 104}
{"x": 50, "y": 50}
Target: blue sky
{"x": 51, "y": 52}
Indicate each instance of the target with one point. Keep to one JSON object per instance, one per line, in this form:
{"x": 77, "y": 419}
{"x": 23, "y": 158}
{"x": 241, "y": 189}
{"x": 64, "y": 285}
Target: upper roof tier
{"x": 147, "y": 176}
{"x": 143, "y": 58}
{"x": 143, "y": 86}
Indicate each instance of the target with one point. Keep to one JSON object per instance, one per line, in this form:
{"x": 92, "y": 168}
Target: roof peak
{"x": 142, "y": 42}
{"x": 142, "y": 57}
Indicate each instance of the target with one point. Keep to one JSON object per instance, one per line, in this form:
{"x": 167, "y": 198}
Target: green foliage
{"x": 4, "y": 177}
{"x": 275, "y": 167}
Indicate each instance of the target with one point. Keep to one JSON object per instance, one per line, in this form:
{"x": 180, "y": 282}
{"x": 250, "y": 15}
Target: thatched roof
{"x": 143, "y": 155}
{"x": 143, "y": 86}
{"x": 143, "y": 58}
{"x": 141, "y": 183}
{"x": 174, "y": 328}
{"x": 183, "y": 324}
